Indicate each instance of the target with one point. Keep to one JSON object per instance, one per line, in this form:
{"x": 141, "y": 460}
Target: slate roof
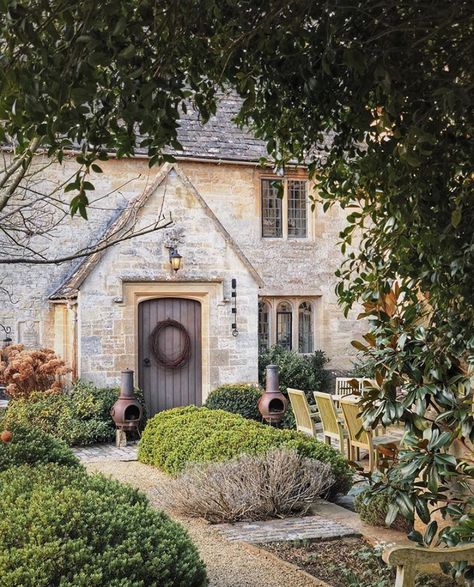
{"x": 220, "y": 137}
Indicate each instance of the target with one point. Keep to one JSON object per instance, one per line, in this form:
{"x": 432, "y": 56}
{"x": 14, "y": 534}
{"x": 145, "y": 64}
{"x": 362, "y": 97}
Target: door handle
{"x": 146, "y": 362}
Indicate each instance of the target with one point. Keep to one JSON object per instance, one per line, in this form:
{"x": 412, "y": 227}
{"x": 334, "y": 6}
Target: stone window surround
{"x": 284, "y": 219}
{"x": 294, "y": 302}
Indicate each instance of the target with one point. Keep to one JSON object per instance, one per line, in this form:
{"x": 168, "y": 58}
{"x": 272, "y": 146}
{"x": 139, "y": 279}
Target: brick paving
{"x": 106, "y": 452}
{"x": 307, "y": 528}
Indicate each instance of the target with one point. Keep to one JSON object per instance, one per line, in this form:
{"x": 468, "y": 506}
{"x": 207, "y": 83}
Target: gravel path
{"x": 229, "y": 564}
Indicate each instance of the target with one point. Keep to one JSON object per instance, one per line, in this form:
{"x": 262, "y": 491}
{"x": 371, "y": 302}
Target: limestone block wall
{"x": 232, "y": 191}
{"x": 295, "y": 267}
{"x": 108, "y": 313}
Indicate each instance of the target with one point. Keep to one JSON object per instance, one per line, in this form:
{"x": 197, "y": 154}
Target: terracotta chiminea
{"x": 126, "y": 411}
{"x": 273, "y": 404}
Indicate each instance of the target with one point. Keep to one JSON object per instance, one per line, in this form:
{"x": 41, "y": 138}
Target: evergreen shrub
{"x": 60, "y": 526}
{"x": 305, "y": 372}
{"x": 239, "y": 399}
{"x": 176, "y": 437}
{"x": 31, "y": 446}
{"x": 80, "y": 417}
{"x": 373, "y": 510}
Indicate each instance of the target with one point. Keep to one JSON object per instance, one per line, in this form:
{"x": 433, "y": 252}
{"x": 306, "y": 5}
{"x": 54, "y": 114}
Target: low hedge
{"x": 32, "y": 447}
{"x": 80, "y": 417}
{"x": 176, "y": 437}
{"x": 60, "y": 526}
{"x": 239, "y": 399}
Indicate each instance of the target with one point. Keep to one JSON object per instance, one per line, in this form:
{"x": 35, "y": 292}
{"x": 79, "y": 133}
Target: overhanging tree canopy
{"x": 375, "y": 96}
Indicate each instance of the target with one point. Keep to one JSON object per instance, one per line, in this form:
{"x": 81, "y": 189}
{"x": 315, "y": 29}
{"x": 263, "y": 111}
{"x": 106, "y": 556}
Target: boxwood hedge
{"x": 239, "y": 399}
{"x": 176, "y": 437}
{"x": 32, "y": 446}
{"x": 60, "y": 526}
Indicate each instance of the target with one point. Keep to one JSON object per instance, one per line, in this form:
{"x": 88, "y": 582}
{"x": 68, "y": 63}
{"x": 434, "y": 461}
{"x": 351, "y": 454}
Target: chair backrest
{"x": 345, "y": 385}
{"x": 327, "y": 411}
{"x": 302, "y": 412}
{"x": 355, "y": 427}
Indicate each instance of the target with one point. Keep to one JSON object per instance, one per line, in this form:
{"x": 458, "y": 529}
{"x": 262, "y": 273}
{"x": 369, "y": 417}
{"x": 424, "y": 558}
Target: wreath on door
{"x": 160, "y": 357}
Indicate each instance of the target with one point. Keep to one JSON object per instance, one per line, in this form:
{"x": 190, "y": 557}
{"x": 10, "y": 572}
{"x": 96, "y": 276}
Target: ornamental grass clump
{"x": 176, "y": 437}
{"x": 60, "y": 526}
{"x": 24, "y": 371}
{"x": 276, "y": 484}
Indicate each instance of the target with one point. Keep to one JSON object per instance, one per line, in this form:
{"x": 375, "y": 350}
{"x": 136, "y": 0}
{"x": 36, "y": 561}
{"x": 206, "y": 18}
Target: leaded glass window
{"x": 272, "y": 225}
{"x": 284, "y": 325}
{"x": 305, "y": 328}
{"x": 263, "y": 325}
{"x": 297, "y": 213}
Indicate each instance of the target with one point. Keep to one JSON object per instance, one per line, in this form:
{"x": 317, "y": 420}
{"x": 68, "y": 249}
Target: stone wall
{"x": 292, "y": 267}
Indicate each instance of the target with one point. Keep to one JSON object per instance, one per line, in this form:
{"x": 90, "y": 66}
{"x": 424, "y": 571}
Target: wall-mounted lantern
{"x": 175, "y": 259}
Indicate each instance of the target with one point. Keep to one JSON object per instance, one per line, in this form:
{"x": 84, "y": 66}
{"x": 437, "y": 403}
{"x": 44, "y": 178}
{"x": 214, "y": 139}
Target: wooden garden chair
{"x": 344, "y": 387}
{"x": 408, "y": 558}
{"x": 303, "y": 415}
{"x": 361, "y": 438}
{"x": 332, "y": 424}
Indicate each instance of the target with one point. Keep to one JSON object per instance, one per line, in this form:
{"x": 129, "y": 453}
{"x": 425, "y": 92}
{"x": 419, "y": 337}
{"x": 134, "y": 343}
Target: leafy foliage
{"x": 23, "y": 371}
{"x": 374, "y": 510}
{"x": 305, "y": 372}
{"x": 60, "y": 526}
{"x": 30, "y": 446}
{"x": 278, "y": 483}
{"x": 429, "y": 390}
{"x": 80, "y": 417}
{"x": 239, "y": 399}
{"x": 176, "y": 437}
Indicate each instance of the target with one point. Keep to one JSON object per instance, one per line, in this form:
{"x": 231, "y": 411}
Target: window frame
{"x": 273, "y": 302}
{"x": 285, "y": 209}
{"x": 289, "y": 313}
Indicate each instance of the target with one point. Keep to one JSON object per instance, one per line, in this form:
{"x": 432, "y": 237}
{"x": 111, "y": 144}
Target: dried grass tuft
{"x": 276, "y": 484}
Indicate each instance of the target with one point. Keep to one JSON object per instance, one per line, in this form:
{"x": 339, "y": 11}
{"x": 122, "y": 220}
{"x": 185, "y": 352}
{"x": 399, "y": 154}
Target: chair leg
{"x": 357, "y": 453}
{"x": 372, "y": 459}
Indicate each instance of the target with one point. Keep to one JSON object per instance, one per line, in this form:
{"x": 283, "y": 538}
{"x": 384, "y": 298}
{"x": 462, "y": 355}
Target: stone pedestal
{"x": 120, "y": 438}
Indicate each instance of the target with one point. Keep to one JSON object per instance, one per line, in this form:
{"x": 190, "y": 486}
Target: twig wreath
{"x": 160, "y": 357}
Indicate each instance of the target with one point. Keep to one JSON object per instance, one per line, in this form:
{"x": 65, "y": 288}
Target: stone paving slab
{"x": 106, "y": 452}
{"x": 307, "y": 528}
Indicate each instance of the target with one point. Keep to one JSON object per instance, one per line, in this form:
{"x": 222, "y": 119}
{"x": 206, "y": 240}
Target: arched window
{"x": 305, "y": 328}
{"x": 284, "y": 325}
{"x": 263, "y": 325}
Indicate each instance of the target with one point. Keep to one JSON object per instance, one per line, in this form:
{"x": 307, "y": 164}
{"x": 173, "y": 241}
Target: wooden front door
{"x": 160, "y": 344}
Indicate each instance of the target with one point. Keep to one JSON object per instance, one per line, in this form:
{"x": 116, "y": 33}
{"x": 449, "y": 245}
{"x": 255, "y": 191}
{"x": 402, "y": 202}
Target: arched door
{"x": 166, "y": 327}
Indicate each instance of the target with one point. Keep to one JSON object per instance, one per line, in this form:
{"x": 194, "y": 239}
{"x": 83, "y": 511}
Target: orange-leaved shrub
{"x": 23, "y": 371}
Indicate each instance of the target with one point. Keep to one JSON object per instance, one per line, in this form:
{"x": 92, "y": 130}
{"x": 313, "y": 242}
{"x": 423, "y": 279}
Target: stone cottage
{"x": 187, "y": 307}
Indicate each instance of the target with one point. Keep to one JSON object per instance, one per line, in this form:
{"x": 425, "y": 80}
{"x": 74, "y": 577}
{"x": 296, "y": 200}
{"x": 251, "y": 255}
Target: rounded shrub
{"x": 80, "y": 417}
{"x": 373, "y": 509}
{"x": 239, "y": 399}
{"x": 60, "y": 526}
{"x": 31, "y": 446}
{"x": 176, "y": 437}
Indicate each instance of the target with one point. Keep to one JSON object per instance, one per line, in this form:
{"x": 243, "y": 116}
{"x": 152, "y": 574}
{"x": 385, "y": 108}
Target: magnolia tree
{"x": 376, "y": 98}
